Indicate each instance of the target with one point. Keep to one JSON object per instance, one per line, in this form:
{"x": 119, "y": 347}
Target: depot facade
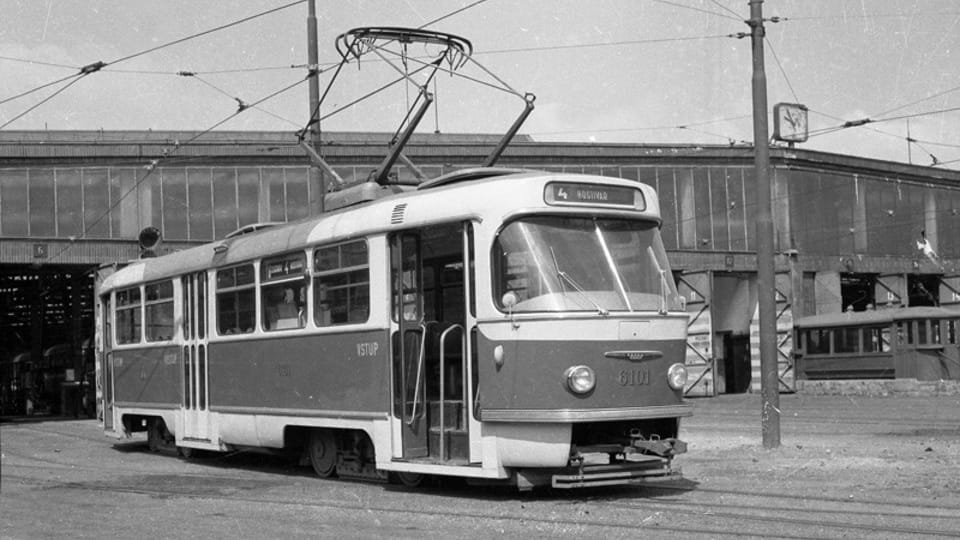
{"x": 847, "y": 229}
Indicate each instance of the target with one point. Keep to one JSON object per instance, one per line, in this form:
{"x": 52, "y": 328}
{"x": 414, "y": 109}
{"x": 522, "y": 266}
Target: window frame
{"x": 123, "y": 304}
{"x": 236, "y": 291}
{"x": 289, "y": 276}
{"x": 158, "y": 303}
{"x": 350, "y": 287}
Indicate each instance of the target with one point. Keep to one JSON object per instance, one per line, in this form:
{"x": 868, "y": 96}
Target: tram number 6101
{"x": 634, "y": 377}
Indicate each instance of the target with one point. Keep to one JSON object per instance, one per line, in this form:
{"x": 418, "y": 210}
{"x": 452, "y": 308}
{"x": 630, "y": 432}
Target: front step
{"x": 456, "y": 445}
{"x": 452, "y": 414}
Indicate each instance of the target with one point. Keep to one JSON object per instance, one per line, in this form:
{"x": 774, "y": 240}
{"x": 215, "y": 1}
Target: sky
{"x": 635, "y": 71}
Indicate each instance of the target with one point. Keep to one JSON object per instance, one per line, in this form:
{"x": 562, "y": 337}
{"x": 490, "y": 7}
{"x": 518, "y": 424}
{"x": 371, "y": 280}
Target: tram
{"x": 499, "y": 325}
{"x": 920, "y": 343}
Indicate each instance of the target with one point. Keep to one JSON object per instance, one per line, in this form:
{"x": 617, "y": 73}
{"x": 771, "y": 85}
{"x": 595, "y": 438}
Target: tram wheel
{"x": 408, "y": 479}
{"x": 158, "y": 438}
{"x": 156, "y": 431}
{"x": 323, "y": 452}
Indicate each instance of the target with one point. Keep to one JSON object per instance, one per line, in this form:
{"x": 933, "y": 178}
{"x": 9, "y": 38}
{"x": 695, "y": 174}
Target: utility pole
{"x": 770, "y": 391}
{"x": 313, "y": 59}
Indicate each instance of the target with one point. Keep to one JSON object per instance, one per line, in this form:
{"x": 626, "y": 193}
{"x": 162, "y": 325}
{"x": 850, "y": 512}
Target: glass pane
{"x": 69, "y": 205}
{"x": 666, "y": 190}
{"x": 174, "y": 204}
{"x": 96, "y": 203}
{"x": 284, "y": 306}
{"x": 848, "y": 340}
{"x": 201, "y": 206}
{"x": 736, "y": 210}
{"x": 273, "y": 184}
{"x": 720, "y": 209}
{"x": 583, "y": 264}
{"x": 160, "y": 321}
{"x": 298, "y": 197}
{"x": 283, "y": 267}
{"x": 13, "y": 202}
{"x": 128, "y": 325}
{"x": 125, "y": 214}
{"x": 249, "y": 191}
{"x": 687, "y": 212}
{"x": 236, "y": 312}
{"x": 42, "y": 211}
{"x": 224, "y": 202}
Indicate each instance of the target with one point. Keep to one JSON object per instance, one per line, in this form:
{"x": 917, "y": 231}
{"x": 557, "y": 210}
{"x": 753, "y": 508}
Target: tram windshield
{"x": 553, "y": 263}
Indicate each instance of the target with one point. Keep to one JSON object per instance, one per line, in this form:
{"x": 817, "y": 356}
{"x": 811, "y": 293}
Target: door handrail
{"x": 420, "y": 359}
{"x": 443, "y": 354}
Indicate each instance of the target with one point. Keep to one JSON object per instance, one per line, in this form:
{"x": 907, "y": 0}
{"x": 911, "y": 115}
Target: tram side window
{"x": 341, "y": 284}
{"x": 128, "y": 315}
{"x": 282, "y": 292}
{"x": 159, "y": 311}
{"x": 847, "y": 340}
{"x": 236, "y": 300}
{"x": 876, "y": 339}
{"x": 818, "y": 341}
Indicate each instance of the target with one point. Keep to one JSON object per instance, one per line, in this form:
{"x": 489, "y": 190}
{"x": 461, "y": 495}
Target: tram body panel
{"x": 531, "y": 374}
{"x": 147, "y": 376}
{"x": 333, "y": 372}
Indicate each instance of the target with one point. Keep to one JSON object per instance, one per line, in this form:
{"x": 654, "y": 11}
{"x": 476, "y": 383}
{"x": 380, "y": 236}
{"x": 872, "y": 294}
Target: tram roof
{"x": 874, "y": 317}
{"x": 492, "y": 197}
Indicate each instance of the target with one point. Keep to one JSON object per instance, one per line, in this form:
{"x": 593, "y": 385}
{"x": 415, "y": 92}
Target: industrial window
{"x": 236, "y": 300}
{"x": 283, "y": 287}
{"x": 159, "y": 311}
{"x": 128, "y": 316}
{"x": 341, "y": 284}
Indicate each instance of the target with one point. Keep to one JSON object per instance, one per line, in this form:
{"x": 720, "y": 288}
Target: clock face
{"x": 790, "y": 122}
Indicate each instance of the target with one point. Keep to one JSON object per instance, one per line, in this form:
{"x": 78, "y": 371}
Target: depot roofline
{"x": 60, "y": 148}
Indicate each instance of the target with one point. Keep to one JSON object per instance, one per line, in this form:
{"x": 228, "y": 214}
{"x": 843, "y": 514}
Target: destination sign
{"x": 580, "y": 194}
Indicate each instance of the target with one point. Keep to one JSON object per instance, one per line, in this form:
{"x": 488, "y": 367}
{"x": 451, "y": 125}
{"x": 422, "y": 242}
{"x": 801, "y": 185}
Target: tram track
{"x": 753, "y": 519}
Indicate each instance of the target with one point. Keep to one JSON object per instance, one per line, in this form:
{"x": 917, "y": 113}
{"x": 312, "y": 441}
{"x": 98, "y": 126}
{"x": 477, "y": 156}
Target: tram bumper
{"x": 618, "y": 474}
{"x": 643, "y": 461}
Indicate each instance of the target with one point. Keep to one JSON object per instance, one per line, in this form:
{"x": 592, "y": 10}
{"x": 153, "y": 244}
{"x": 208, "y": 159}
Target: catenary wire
{"x": 97, "y": 66}
{"x": 701, "y": 10}
{"x": 44, "y": 100}
{"x": 782, "y": 71}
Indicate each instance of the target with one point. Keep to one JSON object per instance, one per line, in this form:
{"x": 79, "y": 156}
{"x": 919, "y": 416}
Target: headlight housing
{"x": 677, "y": 376}
{"x": 580, "y": 379}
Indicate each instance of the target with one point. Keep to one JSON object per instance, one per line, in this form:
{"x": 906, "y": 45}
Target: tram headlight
{"x": 677, "y": 376}
{"x": 581, "y": 379}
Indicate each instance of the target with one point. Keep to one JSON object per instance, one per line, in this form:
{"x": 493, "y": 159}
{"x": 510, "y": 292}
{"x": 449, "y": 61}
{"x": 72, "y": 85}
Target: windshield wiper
{"x": 576, "y": 286}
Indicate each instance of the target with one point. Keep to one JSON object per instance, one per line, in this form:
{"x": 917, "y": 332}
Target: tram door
{"x": 429, "y": 348}
{"x": 105, "y": 378}
{"x": 193, "y": 398}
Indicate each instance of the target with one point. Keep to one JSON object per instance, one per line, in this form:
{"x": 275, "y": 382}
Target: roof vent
{"x": 396, "y": 217}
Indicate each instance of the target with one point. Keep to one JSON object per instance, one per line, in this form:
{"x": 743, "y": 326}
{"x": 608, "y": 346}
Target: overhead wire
{"x": 701, "y": 10}
{"x": 44, "y": 100}
{"x": 38, "y": 62}
{"x": 604, "y": 44}
{"x": 239, "y": 101}
{"x": 206, "y": 32}
{"x": 649, "y": 128}
{"x": 97, "y": 66}
{"x": 783, "y": 72}
{"x": 725, "y": 8}
{"x": 154, "y": 164}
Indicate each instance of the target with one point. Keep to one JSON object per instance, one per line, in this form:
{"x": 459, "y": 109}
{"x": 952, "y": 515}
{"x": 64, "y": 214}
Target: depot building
{"x": 850, "y": 233}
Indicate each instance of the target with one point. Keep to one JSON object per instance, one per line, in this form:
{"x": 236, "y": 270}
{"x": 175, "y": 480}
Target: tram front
{"x": 579, "y": 371}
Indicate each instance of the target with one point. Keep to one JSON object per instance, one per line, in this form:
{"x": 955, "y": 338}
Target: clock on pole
{"x": 790, "y": 122}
